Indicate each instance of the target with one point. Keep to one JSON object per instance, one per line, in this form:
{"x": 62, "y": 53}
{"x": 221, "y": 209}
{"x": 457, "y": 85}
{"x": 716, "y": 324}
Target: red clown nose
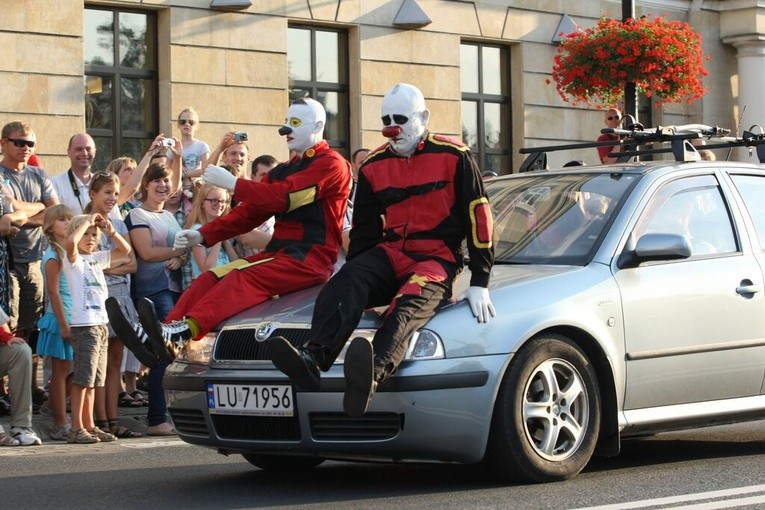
{"x": 391, "y": 131}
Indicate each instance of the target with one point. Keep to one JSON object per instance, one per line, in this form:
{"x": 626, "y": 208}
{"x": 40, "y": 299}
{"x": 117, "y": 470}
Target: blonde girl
{"x": 53, "y": 340}
{"x": 194, "y": 151}
{"x": 210, "y": 202}
{"x": 104, "y": 194}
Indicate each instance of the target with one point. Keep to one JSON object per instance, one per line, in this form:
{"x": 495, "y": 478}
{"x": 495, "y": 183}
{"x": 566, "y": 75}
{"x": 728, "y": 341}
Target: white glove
{"x": 480, "y": 304}
{"x": 220, "y": 177}
{"x": 186, "y": 239}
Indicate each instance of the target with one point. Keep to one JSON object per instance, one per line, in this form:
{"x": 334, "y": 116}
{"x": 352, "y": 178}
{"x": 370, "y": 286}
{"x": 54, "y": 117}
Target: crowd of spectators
{"x": 143, "y": 204}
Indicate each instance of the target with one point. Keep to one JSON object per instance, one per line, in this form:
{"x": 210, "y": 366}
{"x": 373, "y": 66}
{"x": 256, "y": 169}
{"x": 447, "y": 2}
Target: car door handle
{"x": 748, "y": 289}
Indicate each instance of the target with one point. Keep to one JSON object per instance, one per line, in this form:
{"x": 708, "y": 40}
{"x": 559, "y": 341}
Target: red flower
{"x": 663, "y": 58}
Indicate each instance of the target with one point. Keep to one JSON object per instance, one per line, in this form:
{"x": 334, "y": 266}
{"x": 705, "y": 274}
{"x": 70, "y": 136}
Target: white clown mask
{"x": 405, "y": 117}
{"x": 304, "y": 125}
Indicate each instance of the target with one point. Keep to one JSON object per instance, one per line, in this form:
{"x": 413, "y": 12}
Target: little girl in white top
{"x": 193, "y": 150}
{"x": 84, "y": 266}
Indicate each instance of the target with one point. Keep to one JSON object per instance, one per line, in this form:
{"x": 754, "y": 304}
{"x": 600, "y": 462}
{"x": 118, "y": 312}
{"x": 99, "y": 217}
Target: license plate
{"x": 251, "y": 399}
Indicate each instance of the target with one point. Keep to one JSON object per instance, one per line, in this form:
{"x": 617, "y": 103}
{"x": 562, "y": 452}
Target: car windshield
{"x": 554, "y": 219}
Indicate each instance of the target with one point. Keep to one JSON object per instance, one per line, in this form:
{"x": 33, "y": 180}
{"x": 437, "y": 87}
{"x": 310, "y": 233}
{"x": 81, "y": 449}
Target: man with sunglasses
{"x": 613, "y": 120}
{"x": 419, "y": 198}
{"x": 31, "y": 191}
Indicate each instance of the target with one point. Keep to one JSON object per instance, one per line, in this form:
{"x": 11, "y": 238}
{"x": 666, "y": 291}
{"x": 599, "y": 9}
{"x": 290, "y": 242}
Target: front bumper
{"x": 434, "y": 410}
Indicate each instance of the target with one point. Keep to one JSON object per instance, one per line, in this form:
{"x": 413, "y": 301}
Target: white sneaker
{"x": 25, "y": 436}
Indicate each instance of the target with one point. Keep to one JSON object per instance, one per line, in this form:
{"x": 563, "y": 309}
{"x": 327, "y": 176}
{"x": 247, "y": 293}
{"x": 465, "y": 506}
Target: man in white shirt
{"x": 72, "y": 186}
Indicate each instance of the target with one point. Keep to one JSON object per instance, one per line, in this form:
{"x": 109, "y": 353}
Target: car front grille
{"x": 256, "y": 428}
{"x": 341, "y": 427}
{"x": 240, "y": 344}
{"x": 189, "y": 421}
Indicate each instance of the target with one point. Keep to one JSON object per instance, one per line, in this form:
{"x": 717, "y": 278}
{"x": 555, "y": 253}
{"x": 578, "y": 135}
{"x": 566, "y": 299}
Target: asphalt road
{"x": 709, "y": 468}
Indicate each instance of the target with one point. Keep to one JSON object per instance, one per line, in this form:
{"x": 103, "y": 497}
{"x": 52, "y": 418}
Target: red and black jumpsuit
{"x": 410, "y": 220}
{"x": 308, "y": 198}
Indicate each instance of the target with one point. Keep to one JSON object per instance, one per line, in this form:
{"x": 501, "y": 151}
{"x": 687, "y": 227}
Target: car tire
{"x": 547, "y": 415}
{"x": 285, "y": 463}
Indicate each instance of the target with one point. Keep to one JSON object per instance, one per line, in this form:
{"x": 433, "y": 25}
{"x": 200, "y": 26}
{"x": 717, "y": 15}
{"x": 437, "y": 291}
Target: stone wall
{"x": 231, "y": 66}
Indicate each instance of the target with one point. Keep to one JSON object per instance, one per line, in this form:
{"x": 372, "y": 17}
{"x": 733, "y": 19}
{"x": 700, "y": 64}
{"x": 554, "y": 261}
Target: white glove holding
{"x": 480, "y": 304}
{"x": 186, "y": 239}
{"x": 219, "y": 177}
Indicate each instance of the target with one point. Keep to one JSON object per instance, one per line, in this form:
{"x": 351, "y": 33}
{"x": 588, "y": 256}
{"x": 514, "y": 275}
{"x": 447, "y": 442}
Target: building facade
{"x": 123, "y": 69}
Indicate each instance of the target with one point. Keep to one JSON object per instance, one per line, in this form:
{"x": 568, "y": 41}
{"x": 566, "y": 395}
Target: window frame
{"x": 117, "y": 72}
{"x": 480, "y": 151}
{"x": 315, "y": 87}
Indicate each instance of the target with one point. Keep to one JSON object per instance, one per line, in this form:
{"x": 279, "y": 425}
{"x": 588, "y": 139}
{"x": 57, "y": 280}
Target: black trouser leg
{"x": 407, "y": 314}
{"x": 366, "y": 281}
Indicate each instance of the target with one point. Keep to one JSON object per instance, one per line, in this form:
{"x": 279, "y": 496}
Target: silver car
{"x": 629, "y": 301}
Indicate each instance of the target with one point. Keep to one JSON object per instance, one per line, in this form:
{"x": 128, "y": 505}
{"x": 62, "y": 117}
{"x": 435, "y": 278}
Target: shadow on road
{"x": 672, "y": 447}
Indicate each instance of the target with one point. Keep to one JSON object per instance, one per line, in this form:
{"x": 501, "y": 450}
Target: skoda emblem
{"x": 264, "y": 331}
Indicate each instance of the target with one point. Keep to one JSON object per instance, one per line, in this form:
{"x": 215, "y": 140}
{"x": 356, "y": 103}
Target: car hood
{"x": 297, "y": 307}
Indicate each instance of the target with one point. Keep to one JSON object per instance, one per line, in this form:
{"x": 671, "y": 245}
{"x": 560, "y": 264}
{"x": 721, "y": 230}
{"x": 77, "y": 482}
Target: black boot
{"x": 360, "y": 382}
{"x": 299, "y": 364}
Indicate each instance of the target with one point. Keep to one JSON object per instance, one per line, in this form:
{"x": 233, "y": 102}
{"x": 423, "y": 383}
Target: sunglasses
{"x": 104, "y": 174}
{"x": 613, "y": 118}
{"x": 398, "y": 119}
{"x": 183, "y": 122}
{"x": 215, "y": 202}
{"x": 18, "y": 142}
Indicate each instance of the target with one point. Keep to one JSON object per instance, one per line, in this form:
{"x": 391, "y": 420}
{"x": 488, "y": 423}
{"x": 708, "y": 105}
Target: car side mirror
{"x": 655, "y": 247}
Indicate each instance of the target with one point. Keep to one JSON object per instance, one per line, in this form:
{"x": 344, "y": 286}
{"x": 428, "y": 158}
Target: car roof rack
{"x": 638, "y": 141}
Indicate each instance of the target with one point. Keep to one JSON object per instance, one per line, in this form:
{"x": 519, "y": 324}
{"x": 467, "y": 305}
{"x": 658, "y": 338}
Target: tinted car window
{"x": 752, "y": 189}
{"x": 554, "y": 219}
{"x": 692, "y": 207}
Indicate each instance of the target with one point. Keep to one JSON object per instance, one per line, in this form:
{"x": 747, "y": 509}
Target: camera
{"x": 240, "y": 137}
{"x": 168, "y": 142}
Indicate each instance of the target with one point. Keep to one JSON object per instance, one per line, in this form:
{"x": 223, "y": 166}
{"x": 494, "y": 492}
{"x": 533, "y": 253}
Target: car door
{"x": 751, "y": 188}
{"x": 690, "y": 324}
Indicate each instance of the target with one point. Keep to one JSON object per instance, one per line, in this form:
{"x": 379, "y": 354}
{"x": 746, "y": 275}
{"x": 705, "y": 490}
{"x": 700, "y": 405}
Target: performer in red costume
{"x": 418, "y": 198}
{"x": 307, "y": 195}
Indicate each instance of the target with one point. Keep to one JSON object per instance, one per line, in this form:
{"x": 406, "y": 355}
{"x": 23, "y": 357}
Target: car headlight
{"x": 425, "y": 344}
{"x": 198, "y": 351}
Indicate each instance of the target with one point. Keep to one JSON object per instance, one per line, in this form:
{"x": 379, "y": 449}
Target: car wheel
{"x": 547, "y": 416}
{"x": 282, "y": 462}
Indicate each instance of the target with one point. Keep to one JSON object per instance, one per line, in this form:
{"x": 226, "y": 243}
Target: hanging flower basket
{"x": 663, "y": 58}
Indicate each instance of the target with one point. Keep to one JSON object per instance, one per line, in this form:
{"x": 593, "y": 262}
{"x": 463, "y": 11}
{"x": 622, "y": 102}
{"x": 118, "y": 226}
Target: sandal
{"x": 137, "y": 397}
{"x": 81, "y": 436}
{"x": 102, "y": 435}
{"x": 163, "y": 429}
{"x": 122, "y": 432}
{"x": 126, "y": 400}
